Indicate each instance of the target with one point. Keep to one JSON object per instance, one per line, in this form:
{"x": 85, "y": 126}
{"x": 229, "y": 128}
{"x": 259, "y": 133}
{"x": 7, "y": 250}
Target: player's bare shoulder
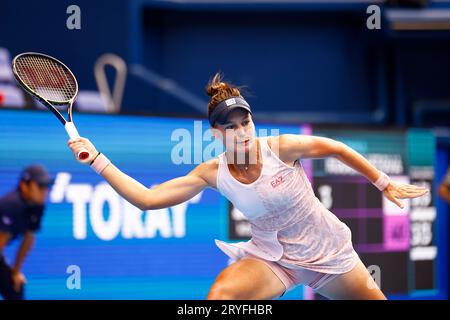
{"x": 284, "y": 146}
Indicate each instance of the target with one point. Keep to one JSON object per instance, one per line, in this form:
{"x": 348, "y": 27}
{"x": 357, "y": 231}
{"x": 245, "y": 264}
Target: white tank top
{"x": 288, "y": 223}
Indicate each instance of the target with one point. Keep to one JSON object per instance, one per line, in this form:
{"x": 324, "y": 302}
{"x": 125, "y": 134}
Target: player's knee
{"x": 222, "y": 292}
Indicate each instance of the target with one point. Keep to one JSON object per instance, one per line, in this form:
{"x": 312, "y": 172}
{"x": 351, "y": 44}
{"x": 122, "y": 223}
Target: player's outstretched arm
{"x": 304, "y": 146}
{"x": 167, "y": 194}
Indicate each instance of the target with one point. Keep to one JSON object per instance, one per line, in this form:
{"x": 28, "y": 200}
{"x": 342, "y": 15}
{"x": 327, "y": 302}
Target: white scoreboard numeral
{"x": 425, "y": 200}
{"x": 326, "y": 195}
{"x": 421, "y": 233}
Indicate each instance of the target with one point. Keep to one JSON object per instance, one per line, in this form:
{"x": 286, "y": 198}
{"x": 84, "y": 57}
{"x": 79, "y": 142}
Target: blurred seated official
{"x": 444, "y": 187}
{"x": 21, "y": 212}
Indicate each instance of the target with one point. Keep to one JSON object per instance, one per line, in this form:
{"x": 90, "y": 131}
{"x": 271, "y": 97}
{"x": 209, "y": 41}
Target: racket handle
{"x": 73, "y": 134}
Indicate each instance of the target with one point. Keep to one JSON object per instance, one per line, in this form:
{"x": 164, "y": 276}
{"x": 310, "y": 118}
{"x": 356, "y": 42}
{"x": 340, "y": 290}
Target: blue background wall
{"x": 319, "y": 60}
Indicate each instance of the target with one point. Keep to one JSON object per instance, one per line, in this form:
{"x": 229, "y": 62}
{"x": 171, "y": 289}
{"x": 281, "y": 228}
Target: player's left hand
{"x": 396, "y": 191}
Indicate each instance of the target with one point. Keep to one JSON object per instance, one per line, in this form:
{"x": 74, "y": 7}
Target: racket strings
{"x": 47, "y": 78}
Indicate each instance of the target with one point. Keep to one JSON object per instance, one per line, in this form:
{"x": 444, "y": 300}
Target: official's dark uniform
{"x": 16, "y": 217}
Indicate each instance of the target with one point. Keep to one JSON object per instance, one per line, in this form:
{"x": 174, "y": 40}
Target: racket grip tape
{"x": 73, "y": 134}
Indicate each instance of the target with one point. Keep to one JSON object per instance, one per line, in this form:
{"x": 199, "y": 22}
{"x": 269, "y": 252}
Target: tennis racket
{"x": 52, "y": 83}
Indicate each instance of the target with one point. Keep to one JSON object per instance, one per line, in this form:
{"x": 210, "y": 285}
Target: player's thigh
{"x": 245, "y": 280}
{"x": 356, "y": 284}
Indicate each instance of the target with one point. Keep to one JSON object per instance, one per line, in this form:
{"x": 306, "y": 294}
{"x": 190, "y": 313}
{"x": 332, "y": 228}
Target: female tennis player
{"x": 295, "y": 239}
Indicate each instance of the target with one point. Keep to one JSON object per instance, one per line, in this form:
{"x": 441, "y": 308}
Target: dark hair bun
{"x": 219, "y": 90}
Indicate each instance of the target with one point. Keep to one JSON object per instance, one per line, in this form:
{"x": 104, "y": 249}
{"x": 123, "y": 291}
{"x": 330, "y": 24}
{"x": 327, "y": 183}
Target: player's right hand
{"x": 76, "y": 145}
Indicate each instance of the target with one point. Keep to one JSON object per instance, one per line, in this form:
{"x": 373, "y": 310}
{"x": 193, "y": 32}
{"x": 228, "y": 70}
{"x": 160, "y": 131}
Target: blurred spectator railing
{"x": 170, "y": 87}
{"x": 113, "y": 98}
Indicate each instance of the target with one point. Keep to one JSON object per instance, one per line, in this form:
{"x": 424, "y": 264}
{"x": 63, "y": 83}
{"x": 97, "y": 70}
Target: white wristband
{"x": 382, "y": 182}
{"x": 100, "y": 163}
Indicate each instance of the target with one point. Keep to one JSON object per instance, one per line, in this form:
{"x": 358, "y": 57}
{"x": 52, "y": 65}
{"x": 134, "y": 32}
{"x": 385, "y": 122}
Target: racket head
{"x": 45, "y": 78}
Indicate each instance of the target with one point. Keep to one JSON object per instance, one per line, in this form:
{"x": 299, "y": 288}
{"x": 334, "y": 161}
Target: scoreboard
{"x": 399, "y": 242}
{"x": 398, "y": 246}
